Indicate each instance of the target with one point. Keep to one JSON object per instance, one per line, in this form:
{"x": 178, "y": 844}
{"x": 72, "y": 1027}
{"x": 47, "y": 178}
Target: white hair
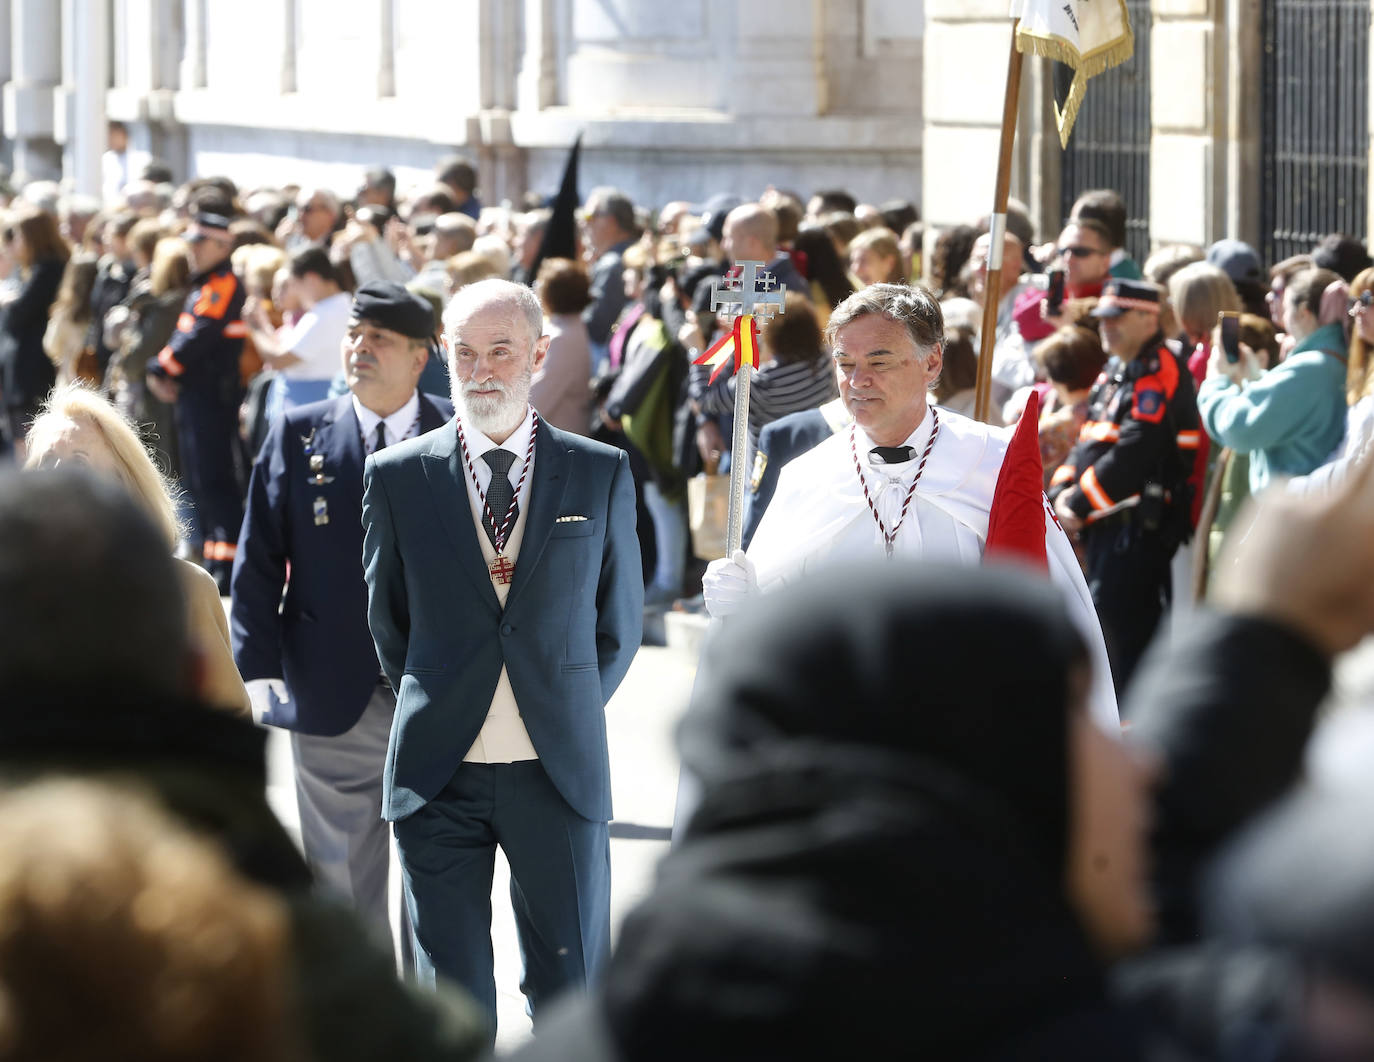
{"x": 493, "y": 291}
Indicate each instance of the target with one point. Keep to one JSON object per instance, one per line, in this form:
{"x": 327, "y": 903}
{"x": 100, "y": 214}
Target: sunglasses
{"x": 1079, "y": 251}
{"x": 1360, "y": 303}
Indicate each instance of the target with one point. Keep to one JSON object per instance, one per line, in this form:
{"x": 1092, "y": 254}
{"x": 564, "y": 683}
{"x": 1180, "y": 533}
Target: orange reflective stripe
{"x": 215, "y": 295}
{"x": 1189, "y": 440}
{"x": 186, "y": 322}
{"x": 220, "y": 551}
{"x": 235, "y": 330}
{"x": 169, "y": 362}
{"x": 1099, "y": 431}
{"x": 1063, "y": 474}
{"x": 1093, "y": 489}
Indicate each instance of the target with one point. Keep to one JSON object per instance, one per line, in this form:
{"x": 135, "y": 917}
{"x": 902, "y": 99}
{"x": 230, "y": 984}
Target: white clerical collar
{"x": 916, "y": 440}
{"x": 517, "y": 443}
{"x": 398, "y": 425}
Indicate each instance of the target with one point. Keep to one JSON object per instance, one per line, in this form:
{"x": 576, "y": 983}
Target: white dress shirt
{"x": 927, "y": 531}
{"x": 403, "y": 424}
{"x": 503, "y": 737}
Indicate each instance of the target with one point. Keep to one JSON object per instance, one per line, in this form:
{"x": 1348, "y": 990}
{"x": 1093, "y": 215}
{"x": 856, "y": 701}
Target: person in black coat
{"x": 100, "y": 681}
{"x": 27, "y": 374}
{"x": 959, "y": 857}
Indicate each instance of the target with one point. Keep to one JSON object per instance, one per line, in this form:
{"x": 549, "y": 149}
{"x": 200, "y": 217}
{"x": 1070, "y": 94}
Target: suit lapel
{"x": 340, "y": 440}
{"x": 447, "y": 477}
{"x": 552, "y": 465}
{"x": 431, "y": 416}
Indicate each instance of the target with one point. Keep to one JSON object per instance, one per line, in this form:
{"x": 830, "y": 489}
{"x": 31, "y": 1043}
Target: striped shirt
{"x": 776, "y": 390}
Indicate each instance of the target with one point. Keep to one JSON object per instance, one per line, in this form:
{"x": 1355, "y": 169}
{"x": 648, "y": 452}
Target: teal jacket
{"x": 1291, "y": 418}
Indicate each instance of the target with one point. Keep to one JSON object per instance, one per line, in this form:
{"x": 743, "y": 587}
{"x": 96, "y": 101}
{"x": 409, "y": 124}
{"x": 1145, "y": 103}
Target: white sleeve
{"x": 1068, "y": 576}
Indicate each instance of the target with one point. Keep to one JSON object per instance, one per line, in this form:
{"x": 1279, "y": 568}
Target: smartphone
{"x": 1054, "y": 299}
{"x": 1229, "y": 322}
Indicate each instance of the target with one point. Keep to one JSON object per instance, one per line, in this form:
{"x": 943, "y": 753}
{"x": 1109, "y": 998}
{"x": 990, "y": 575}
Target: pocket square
{"x": 570, "y": 519}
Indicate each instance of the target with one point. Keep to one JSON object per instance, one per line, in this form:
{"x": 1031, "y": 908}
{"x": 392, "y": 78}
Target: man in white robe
{"x": 853, "y": 494}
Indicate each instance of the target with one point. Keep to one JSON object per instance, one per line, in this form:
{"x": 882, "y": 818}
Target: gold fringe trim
{"x": 1085, "y": 65}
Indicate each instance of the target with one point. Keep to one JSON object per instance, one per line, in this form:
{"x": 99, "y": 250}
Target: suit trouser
{"x": 207, "y": 432}
{"x": 560, "y": 883}
{"x": 1131, "y": 586}
{"x": 339, "y": 792}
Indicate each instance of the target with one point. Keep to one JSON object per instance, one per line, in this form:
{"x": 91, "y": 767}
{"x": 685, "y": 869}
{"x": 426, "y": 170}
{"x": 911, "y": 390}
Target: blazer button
{"x": 506, "y": 628}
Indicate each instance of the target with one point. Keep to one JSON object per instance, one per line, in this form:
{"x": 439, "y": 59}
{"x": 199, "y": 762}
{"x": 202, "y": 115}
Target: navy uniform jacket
{"x": 571, "y": 625}
{"x": 203, "y": 353}
{"x": 1142, "y": 427}
{"x": 779, "y": 442}
{"x": 318, "y": 642}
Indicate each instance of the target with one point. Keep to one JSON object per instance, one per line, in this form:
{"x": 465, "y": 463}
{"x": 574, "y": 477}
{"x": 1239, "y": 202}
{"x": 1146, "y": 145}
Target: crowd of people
{"x": 437, "y": 456}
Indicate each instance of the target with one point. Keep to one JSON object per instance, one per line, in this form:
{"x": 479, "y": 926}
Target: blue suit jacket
{"x": 317, "y": 639}
{"x": 570, "y": 628}
{"x": 779, "y": 442}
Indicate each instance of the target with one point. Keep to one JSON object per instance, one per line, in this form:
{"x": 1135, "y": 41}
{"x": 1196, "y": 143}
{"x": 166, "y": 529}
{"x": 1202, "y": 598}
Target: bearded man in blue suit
{"x": 505, "y": 599}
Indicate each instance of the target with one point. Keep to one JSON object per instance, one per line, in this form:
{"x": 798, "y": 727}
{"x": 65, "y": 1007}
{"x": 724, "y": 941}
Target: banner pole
{"x": 996, "y": 232}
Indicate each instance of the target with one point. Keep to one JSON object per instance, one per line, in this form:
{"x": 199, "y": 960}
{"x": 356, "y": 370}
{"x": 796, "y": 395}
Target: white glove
{"x": 267, "y": 695}
{"x": 728, "y": 583}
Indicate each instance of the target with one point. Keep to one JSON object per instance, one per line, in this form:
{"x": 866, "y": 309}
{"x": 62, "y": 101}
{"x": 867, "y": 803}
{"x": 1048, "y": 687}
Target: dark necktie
{"x": 892, "y": 455}
{"x": 500, "y": 495}
{"x": 380, "y": 442}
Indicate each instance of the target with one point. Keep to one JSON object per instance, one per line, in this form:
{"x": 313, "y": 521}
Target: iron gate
{"x": 1110, "y": 145}
{"x": 1314, "y": 123}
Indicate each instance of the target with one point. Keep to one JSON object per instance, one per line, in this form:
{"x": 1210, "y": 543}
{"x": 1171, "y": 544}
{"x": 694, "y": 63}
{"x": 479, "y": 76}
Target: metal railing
{"x": 1314, "y": 147}
{"x": 1110, "y": 146}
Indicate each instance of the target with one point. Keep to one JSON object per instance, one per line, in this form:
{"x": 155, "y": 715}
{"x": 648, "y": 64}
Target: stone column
{"x": 536, "y": 85}
{"x": 80, "y": 112}
{"x": 967, "y": 45}
{"x": 386, "y": 50}
{"x": 6, "y": 133}
{"x": 1189, "y": 108}
{"x": 36, "y": 69}
{"x": 777, "y": 59}
{"x": 288, "y": 47}
{"x": 193, "y": 53}
{"x": 1243, "y": 65}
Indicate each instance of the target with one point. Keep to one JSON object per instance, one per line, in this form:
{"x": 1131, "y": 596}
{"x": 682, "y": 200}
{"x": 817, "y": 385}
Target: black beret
{"x": 392, "y": 306}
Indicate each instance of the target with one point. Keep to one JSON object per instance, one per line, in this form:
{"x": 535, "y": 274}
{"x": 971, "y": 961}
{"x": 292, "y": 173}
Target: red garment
{"x": 1026, "y": 312}
{"x": 1016, "y": 519}
{"x": 1197, "y": 365}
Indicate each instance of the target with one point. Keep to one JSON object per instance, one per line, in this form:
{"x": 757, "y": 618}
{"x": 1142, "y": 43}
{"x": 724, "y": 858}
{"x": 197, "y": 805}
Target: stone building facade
{"x": 1248, "y": 118}
{"x": 674, "y": 100}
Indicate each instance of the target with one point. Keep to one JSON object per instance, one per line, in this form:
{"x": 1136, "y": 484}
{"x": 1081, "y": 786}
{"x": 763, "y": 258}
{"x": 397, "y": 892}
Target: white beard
{"x": 489, "y": 414}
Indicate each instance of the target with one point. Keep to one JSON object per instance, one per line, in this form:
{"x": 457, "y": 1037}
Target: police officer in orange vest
{"x": 198, "y": 370}
{"x": 1124, "y": 488}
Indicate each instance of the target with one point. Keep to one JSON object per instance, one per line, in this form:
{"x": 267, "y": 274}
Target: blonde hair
{"x": 1360, "y": 373}
{"x": 107, "y": 900}
{"x": 468, "y": 267}
{"x": 257, "y": 264}
{"x": 1199, "y": 292}
{"x": 881, "y": 242}
{"x": 170, "y": 268}
{"x": 77, "y": 403}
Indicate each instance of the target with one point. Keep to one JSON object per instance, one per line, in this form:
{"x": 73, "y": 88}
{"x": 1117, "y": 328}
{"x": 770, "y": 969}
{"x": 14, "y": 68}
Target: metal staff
{"x": 758, "y": 297}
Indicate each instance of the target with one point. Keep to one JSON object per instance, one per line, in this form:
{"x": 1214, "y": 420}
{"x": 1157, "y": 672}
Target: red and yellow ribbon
{"x": 742, "y": 341}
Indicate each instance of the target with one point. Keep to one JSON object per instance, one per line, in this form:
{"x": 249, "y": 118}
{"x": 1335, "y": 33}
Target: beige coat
{"x": 562, "y": 389}
{"x": 209, "y": 627}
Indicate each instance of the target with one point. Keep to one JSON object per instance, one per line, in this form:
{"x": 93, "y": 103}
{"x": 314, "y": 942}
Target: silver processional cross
{"x": 755, "y": 292}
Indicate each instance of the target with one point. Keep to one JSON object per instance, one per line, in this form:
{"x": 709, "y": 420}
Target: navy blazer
{"x": 571, "y": 625}
{"x": 317, "y": 638}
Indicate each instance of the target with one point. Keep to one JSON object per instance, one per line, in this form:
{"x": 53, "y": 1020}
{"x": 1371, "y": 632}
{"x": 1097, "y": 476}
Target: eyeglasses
{"x": 1358, "y": 304}
{"x": 1079, "y": 251}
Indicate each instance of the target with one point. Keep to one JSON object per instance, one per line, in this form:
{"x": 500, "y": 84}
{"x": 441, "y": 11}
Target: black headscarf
{"x": 883, "y": 755}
